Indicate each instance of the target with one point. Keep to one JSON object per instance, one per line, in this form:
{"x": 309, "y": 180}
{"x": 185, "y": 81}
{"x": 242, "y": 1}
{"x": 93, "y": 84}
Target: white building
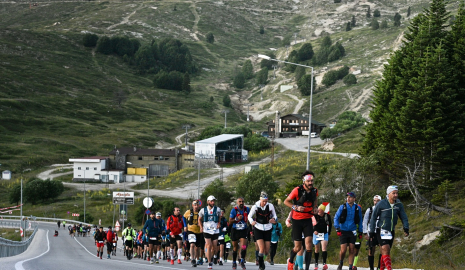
{"x": 6, "y": 175}
{"x": 224, "y": 148}
{"x": 94, "y": 169}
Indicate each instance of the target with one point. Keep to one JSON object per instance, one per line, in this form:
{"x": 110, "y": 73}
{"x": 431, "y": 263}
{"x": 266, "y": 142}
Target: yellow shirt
{"x": 194, "y": 227}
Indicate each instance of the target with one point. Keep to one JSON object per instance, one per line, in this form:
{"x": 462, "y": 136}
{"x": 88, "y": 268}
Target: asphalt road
{"x": 65, "y": 252}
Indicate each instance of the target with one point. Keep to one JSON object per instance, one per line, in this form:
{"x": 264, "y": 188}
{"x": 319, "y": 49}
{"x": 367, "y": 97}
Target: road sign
{"x": 117, "y": 224}
{"x": 75, "y": 214}
{"x": 117, "y": 229}
{"x": 147, "y": 212}
{"x": 147, "y": 202}
{"x": 30, "y": 225}
{"x": 21, "y": 230}
{"x": 123, "y": 212}
{"x": 123, "y": 197}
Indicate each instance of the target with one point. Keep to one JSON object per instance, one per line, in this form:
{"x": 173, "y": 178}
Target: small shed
{"x": 6, "y": 175}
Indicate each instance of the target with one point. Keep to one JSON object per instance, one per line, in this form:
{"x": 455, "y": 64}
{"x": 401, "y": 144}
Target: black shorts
{"x": 154, "y": 242}
{"x": 199, "y": 239}
{"x": 174, "y": 239}
{"x": 347, "y": 237}
{"x": 221, "y": 242}
{"x": 129, "y": 243}
{"x": 383, "y": 242}
{"x": 300, "y": 226}
{"x": 238, "y": 234}
{"x": 358, "y": 245}
{"x": 109, "y": 246}
{"x": 212, "y": 237}
{"x": 373, "y": 242}
{"x": 262, "y": 235}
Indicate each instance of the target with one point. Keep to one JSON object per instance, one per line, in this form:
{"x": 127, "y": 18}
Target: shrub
{"x": 349, "y": 79}
{"x": 210, "y": 38}
{"x": 89, "y": 40}
{"x": 305, "y": 52}
{"x": 375, "y": 24}
{"x": 384, "y": 24}
{"x": 256, "y": 142}
{"x": 239, "y": 80}
{"x": 104, "y": 45}
{"x": 251, "y": 184}
{"x": 376, "y": 13}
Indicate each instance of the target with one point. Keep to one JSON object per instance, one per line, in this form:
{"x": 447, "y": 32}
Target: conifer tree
{"x": 247, "y": 69}
{"x": 348, "y": 27}
{"x": 368, "y": 12}
{"x": 408, "y": 12}
{"x": 186, "y": 83}
{"x": 353, "y": 21}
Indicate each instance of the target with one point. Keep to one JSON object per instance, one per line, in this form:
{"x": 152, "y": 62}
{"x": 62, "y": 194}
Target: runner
{"x": 110, "y": 238}
{"x": 265, "y": 216}
{"x": 115, "y": 243}
{"x": 64, "y": 223}
{"x": 175, "y": 225}
{"x": 208, "y": 221}
{"x": 194, "y": 236}
{"x": 227, "y": 241}
{"x": 347, "y": 217}
{"x": 153, "y": 227}
{"x": 59, "y": 224}
{"x": 303, "y": 201}
{"x": 366, "y": 230}
{"x": 221, "y": 242}
{"x": 129, "y": 235}
{"x": 160, "y": 239}
{"x": 322, "y": 230}
{"x": 100, "y": 238}
{"x": 299, "y": 258}
{"x": 165, "y": 244}
{"x": 275, "y": 235}
{"x": 140, "y": 245}
{"x": 388, "y": 211}
{"x": 238, "y": 218}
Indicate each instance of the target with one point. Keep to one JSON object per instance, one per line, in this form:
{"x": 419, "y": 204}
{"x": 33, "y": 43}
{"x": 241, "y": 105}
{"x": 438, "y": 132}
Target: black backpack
{"x": 343, "y": 216}
{"x": 305, "y": 196}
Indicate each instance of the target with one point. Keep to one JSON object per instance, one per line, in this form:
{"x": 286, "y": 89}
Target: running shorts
{"x": 300, "y": 226}
{"x": 238, "y": 234}
{"x": 262, "y": 235}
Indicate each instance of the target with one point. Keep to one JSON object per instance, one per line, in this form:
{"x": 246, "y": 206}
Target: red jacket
{"x": 175, "y": 224}
{"x": 110, "y": 236}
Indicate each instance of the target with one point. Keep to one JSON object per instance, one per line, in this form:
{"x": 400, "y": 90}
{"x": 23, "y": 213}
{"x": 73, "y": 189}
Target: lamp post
{"x": 311, "y": 101}
{"x": 248, "y": 106}
{"x": 124, "y": 197}
{"x": 225, "y": 114}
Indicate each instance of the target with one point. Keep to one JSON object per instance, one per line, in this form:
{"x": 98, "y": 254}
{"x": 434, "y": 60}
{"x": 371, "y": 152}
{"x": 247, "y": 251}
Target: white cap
{"x": 391, "y": 189}
{"x": 377, "y": 197}
{"x": 211, "y": 198}
{"x": 158, "y": 214}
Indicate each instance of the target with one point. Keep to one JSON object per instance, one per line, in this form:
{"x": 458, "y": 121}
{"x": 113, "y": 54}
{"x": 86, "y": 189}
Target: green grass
{"x": 10, "y": 233}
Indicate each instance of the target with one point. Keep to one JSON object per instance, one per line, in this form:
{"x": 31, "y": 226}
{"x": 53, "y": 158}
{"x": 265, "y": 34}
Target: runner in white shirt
{"x": 262, "y": 216}
{"x": 209, "y": 217}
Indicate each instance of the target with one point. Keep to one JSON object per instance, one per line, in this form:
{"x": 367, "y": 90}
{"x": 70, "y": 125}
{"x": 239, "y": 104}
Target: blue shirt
{"x": 349, "y": 224}
{"x": 242, "y": 224}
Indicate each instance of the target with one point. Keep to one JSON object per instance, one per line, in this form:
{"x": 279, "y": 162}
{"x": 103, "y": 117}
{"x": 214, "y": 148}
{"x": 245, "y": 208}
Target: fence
{"x": 11, "y": 248}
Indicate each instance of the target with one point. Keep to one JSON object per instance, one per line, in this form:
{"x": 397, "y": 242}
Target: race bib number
{"x": 100, "y": 242}
{"x": 354, "y": 232}
{"x": 114, "y": 244}
{"x": 387, "y": 235}
{"x": 211, "y": 228}
{"x": 240, "y": 226}
{"x": 228, "y": 245}
{"x": 221, "y": 237}
{"x": 320, "y": 237}
{"x": 192, "y": 238}
{"x": 153, "y": 238}
{"x": 180, "y": 235}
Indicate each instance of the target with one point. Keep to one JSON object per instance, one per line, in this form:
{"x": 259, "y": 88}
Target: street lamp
{"x": 311, "y": 100}
{"x": 124, "y": 197}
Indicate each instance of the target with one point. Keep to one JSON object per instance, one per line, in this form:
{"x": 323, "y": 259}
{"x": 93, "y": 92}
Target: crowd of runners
{"x": 206, "y": 235}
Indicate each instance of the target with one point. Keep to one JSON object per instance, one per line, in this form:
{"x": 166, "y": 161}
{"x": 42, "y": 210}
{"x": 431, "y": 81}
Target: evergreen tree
{"x": 348, "y": 27}
{"x": 408, "y": 12}
{"x": 239, "y": 80}
{"x": 247, "y": 69}
{"x": 262, "y": 76}
{"x": 186, "y": 83}
{"x": 305, "y": 52}
{"x": 384, "y": 24}
{"x": 397, "y": 18}
{"x": 326, "y": 42}
{"x": 226, "y": 101}
{"x": 353, "y": 21}
{"x": 337, "y": 1}
{"x": 374, "y": 24}
{"x": 210, "y": 38}
{"x": 376, "y": 13}
{"x": 89, "y": 40}
{"x": 268, "y": 63}
{"x": 349, "y": 79}
{"x": 262, "y": 30}
{"x": 368, "y": 12}
{"x": 305, "y": 84}
{"x": 299, "y": 72}
{"x": 104, "y": 45}
{"x": 293, "y": 58}
{"x": 418, "y": 108}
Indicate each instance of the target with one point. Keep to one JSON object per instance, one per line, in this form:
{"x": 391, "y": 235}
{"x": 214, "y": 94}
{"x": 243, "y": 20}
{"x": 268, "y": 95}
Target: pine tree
{"x": 374, "y": 24}
{"x": 408, "y": 12}
{"x": 186, "y": 83}
{"x": 368, "y": 12}
{"x": 348, "y": 27}
{"x": 247, "y": 69}
{"x": 353, "y": 21}
{"x": 376, "y": 13}
{"x": 397, "y": 18}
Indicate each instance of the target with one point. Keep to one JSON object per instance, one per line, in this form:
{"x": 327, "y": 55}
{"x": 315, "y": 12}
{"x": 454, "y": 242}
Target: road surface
{"x": 65, "y": 252}
{"x": 300, "y": 144}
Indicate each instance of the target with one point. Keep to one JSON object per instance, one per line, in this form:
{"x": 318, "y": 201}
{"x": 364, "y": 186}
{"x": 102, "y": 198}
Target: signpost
{"x": 21, "y": 230}
{"x": 117, "y": 226}
{"x": 123, "y": 197}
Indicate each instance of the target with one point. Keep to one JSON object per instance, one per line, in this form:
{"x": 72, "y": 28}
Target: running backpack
{"x": 343, "y": 216}
{"x": 244, "y": 214}
{"x": 304, "y": 196}
{"x": 263, "y": 216}
{"x": 192, "y": 220}
{"x": 206, "y": 215}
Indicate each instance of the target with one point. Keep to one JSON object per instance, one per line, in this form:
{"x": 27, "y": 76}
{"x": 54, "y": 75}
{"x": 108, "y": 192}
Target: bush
{"x": 239, "y": 80}
{"x": 305, "y": 84}
{"x": 375, "y": 24}
{"x": 251, "y": 184}
{"x": 384, "y": 24}
{"x": 376, "y": 13}
{"x": 226, "y": 101}
{"x": 256, "y": 142}
{"x": 37, "y": 190}
{"x": 210, "y": 38}
{"x": 104, "y": 45}
{"x": 89, "y": 40}
{"x": 349, "y": 79}
{"x": 305, "y": 52}
{"x": 171, "y": 81}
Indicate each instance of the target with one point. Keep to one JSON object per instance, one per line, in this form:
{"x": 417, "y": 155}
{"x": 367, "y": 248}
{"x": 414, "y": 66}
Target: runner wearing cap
{"x": 159, "y": 241}
{"x": 153, "y": 227}
{"x": 110, "y": 237}
{"x": 221, "y": 243}
{"x": 388, "y": 211}
{"x": 322, "y": 229}
{"x": 347, "y": 217}
{"x": 129, "y": 235}
{"x": 371, "y": 243}
{"x": 208, "y": 221}
{"x": 100, "y": 238}
{"x": 238, "y": 218}
{"x": 194, "y": 236}
{"x": 265, "y": 217}
{"x": 303, "y": 201}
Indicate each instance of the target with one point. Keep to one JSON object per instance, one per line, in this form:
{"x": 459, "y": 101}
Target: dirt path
{"x": 125, "y": 19}
{"x": 195, "y": 29}
{"x": 299, "y": 105}
{"x": 49, "y": 175}
{"x": 357, "y": 104}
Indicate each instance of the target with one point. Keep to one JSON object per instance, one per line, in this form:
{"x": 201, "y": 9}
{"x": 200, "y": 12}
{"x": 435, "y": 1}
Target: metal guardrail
{"x": 11, "y": 248}
{"x": 68, "y": 221}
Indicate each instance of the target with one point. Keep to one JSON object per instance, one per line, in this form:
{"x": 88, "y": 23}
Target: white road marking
{"x": 19, "y": 265}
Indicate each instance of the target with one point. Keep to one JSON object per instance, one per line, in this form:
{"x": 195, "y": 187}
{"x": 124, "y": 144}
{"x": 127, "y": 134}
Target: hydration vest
{"x": 304, "y": 196}
{"x": 192, "y": 220}
{"x": 210, "y": 217}
{"x": 343, "y": 216}
{"x": 263, "y": 216}
{"x": 244, "y": 213}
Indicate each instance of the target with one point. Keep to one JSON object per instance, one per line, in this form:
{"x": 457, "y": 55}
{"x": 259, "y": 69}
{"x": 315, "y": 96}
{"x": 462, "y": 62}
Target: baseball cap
{"x": 263, "y": 195}
{"x": 351, "y": 194}
{"x": 158, "y": 214}
{"x": 377, "y": 197}
{"x": 211, "y": 198}
{"x": 129, "y": 225}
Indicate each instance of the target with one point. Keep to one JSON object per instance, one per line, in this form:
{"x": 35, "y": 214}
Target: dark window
{"x": 79, "y": 168}
{"x": 95, "y": 168}
{"x": 167, "y": 158}
{"x": 140, "y": 158}
{"x": 87, "y": 168}
{"x": 155, "y": 158}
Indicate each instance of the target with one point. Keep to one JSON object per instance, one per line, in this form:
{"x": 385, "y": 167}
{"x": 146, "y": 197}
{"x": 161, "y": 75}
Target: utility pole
{"x": 225, "y": 114}
{"x": 186, "y": 126}
{"x": 287, "y": 51}
{"x": 261, "y": 91}
{"x": 272, "y": 152}
{"x": 248, "y": 105}
{"x": 295, "y": 38}
{"x": 274, "y": 71}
